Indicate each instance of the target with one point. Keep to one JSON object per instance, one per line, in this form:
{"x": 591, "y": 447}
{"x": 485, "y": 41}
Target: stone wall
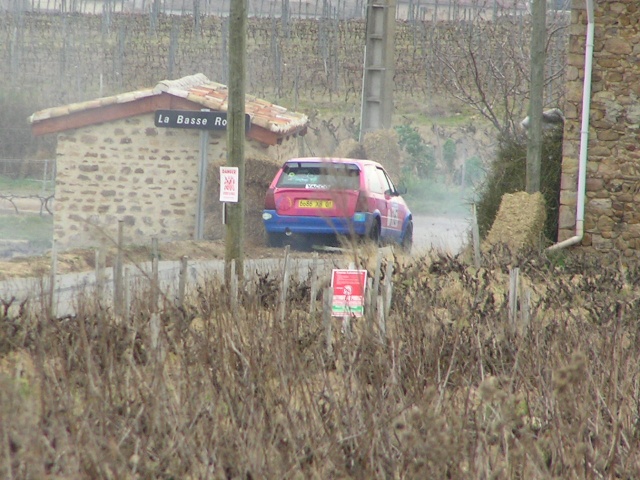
{"x": 612, "y": 206}
{"x": 130, "y": 170}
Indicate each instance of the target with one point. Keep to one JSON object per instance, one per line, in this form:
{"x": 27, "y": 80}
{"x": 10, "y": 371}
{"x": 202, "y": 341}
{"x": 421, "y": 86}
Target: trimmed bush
{"x": 507, "y": 174}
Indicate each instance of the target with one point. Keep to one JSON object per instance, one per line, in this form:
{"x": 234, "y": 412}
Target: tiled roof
{"x": 197, "y": 89}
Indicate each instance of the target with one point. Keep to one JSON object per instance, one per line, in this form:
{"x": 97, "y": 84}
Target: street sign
{"x": 348, "y": 292}
{"x": 229, "y": 184}
{"x": 197, "y": 119}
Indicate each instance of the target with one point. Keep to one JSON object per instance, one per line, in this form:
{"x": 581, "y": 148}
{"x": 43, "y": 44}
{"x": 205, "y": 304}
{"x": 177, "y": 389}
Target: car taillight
{"x": 270, "y": 200}
{"x": 285, "y": 203}
{"x": 362, "y": 204}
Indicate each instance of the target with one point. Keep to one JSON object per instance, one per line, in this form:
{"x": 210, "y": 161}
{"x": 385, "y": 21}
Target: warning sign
{"x": 229, "y": 184}
{"x": 348, "y": 292}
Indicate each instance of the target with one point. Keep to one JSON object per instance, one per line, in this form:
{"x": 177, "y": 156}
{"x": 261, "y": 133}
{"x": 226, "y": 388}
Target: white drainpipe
{"x": 584, "y": 135}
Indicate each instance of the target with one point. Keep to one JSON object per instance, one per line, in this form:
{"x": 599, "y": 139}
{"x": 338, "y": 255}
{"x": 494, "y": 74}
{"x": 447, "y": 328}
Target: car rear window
{"x": 320, "y": 176}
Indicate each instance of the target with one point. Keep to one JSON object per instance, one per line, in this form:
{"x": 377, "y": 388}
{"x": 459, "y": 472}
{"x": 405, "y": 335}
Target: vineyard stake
{"x": 155, "y": 284}
{"x": 52, "y": 280}
{"x": 327, "y": 299}
{"x": 514, "y": 282}
{"x": 117, "y": 272}
{"x": 285, "y": 284}
{"x": 314, "y": 283}
{"x": 182, "y": 283}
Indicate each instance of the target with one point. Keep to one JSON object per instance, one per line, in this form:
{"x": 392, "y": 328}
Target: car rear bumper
{"x": 274, "y": 223}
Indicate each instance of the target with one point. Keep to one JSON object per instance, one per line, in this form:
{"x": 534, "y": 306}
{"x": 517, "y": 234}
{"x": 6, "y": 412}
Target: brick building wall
{"x": 612, "y": 204}
{"x": 132, "y": 171}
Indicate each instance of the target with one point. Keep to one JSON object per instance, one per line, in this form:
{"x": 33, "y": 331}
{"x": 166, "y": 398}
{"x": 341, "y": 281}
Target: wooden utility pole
{"x": 536, "y": 93}
{"x": 234, "y": 240}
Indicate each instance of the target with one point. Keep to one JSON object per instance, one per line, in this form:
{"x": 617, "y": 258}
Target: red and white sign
{"x": 229, "y": 184}
{"x": 348, "y": 292}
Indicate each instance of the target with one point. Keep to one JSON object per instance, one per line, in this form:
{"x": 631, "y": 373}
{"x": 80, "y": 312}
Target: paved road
{"x": 445, "y": 234}
{"x": 70, "y": 287}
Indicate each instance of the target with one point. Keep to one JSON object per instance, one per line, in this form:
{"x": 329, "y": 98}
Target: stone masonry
{"x": 612, "y": 205}
{"x": 130, "y": 170}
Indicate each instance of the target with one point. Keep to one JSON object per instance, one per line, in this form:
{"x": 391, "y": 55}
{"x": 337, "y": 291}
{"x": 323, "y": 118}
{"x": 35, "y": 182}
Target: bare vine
{"x": 45, "y": 201}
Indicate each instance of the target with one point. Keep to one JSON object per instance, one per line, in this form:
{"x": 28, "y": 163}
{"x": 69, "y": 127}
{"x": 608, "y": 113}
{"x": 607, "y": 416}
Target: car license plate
{"x": 315, "y": 203}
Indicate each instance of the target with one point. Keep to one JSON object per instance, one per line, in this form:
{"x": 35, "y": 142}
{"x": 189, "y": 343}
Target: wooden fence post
{"x": 285, "y": 285}
{"x": 376, "y": 274}
{"x": 382, "y": 322}
{"x": 388, "y": 288}
{"x": 327, "y": 300}
{"x": 154, "y": 320}
{"x": 52, "y": 280}
{"x": 154, "y": 330}
{"x": 182, "y": 283}
{"x": 127, "y": 294}
{"x": 155, "y": 281}
{"x": 100, "y": 275}
{"x": 314, "y": 283}
{"x": 514, "y": 284}
{"x": 117, "y": 272}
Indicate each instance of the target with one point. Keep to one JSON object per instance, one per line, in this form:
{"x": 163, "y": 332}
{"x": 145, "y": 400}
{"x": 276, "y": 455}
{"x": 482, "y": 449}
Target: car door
{"x": 375, "y": 194}
{"x": 394, "y": 207}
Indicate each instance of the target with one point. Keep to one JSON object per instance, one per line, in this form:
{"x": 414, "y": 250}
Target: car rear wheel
{"x": 275, "y": 240}
{"x": 407, "y": 238}
{"x": 374, "y": 233}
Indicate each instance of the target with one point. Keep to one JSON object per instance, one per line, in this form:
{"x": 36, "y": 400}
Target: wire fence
{"x": 167, "y": 285}
{"x": 57, "y": 59}
{"x": 58, "y": 52}
{"x": 28, "y": 176}
{"x": 343, "y": 9}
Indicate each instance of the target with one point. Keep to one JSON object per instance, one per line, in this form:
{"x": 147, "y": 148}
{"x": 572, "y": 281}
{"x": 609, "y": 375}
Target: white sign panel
{"x": 229, "y": 184}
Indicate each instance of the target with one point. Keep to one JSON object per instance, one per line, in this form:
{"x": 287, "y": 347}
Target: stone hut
{"x": 116, "y": 160}
{"x": 611, "y": 219}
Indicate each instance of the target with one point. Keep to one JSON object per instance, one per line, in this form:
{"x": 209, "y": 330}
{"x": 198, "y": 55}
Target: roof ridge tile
{"x": 200, "y": 90}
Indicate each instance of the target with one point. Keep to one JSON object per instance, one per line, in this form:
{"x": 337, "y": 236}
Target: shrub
{"x": 382, "y": 146}
{"x": 474, "y": 171}
{"x": 449, "y": 155}
{"x": 421, "y": 160}
{"x": 15, "y": 131}
{"x": 17, "y": 145}
{"x": 507, "y": 174}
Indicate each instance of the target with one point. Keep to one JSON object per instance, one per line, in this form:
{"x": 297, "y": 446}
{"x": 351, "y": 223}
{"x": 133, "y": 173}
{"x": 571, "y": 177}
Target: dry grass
{"x": 454, "y": 391}
{"x": 80, "y": 260}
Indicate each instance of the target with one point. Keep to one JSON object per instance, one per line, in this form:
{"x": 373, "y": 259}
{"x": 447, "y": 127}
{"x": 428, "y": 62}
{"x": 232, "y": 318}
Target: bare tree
{"x": 486, "y": 65}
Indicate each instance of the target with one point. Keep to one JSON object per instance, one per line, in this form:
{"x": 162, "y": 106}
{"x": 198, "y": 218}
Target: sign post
{"x": 202, "y": 184}
{"x": 203, "y": 120}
